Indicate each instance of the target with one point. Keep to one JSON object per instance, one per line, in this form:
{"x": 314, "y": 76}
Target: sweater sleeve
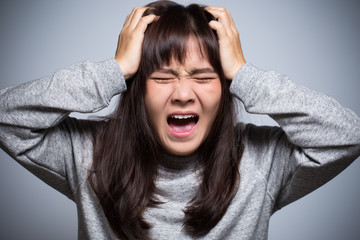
{"x": 317, "y": 138}
{"x": 35, "y": 128}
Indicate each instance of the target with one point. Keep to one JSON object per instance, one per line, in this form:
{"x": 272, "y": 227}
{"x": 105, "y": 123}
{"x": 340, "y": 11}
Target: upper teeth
{"x": 183, "y": 116}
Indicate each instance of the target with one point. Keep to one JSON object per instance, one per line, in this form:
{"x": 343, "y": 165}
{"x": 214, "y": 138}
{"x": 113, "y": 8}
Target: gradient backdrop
{"x": 315, "y": 43}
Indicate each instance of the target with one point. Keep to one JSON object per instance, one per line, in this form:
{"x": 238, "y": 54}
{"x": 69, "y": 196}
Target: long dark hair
{"x": 126, "y": 153}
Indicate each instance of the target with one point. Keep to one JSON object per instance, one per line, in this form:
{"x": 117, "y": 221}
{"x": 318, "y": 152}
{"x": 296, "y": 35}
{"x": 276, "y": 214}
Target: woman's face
{"x": 182, "y": 101}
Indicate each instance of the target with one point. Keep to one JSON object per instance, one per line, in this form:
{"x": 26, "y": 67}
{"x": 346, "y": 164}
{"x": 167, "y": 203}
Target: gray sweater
{"x": 317, "y": 139}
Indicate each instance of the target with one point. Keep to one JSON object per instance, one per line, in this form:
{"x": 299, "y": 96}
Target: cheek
{"x": 210, "y": 98}
{"x": 155, "y": 101}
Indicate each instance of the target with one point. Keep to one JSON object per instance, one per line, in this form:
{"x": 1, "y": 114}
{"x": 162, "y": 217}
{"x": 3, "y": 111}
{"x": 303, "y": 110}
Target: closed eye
{"x": 162, "y": 80}
{"x": 205, "y": 79}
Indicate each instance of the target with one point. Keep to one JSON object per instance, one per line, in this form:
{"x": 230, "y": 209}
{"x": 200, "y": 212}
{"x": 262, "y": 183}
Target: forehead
{"x": 195, "y": 57}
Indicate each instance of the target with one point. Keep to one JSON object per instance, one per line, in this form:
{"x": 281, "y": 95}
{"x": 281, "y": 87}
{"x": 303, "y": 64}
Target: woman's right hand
{"x": 128, "y": 53}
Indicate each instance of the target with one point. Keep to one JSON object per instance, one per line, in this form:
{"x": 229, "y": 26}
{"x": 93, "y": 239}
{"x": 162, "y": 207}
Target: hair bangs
{"x": 173, "y": 30}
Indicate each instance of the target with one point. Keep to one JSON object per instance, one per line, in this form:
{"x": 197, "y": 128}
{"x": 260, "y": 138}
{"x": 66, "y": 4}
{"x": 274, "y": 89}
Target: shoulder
{"x": 266, "y": 148}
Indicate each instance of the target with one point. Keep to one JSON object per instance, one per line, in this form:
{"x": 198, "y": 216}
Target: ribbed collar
{"x": 179, "y": 163}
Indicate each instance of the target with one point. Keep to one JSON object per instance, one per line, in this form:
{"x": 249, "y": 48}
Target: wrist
{"x": 236, "y": 67}
{"x": 123, "y": 68}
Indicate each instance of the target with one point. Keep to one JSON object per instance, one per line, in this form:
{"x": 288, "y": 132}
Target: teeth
{"x": 183, "y": 116}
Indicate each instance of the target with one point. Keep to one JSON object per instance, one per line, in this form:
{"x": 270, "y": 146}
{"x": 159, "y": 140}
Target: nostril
{"x": 183, "y": 93}
{"x": 181, "y": 101}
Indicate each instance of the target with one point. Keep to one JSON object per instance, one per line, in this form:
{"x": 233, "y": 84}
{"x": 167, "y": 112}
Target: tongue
{"x": 182, "y": 125}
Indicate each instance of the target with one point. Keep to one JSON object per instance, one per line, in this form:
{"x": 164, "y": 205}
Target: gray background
{"x": 315, "y": 43}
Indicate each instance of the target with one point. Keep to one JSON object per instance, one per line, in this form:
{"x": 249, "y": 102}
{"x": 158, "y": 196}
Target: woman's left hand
{"x": 231, "y": 54}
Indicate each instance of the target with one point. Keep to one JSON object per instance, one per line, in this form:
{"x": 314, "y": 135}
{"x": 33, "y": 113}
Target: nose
{"x": 183, "y": 92}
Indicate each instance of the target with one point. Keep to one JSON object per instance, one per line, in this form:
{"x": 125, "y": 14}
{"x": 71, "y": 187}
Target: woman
{"x": 169, "y": 163}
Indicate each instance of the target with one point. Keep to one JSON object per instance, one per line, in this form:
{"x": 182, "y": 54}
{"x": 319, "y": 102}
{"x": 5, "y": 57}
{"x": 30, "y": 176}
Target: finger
{"x": 136, "y": 16}
{"x": 126, "y": 23}
{"x": 222, "y": 16}
{"x": 220, "y": 29}
{"x": 129, "y": 17}
{"x": 219, "y": 12}
{"x": 144, "y": 22}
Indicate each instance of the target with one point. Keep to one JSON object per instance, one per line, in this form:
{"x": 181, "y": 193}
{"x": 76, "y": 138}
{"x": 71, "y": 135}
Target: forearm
{"x": 321, "y": 137}
{"x": 41, "y": 104}
{"x": 309, "y": 118}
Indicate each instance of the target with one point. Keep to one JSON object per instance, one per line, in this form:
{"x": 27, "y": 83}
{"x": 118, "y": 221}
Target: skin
{"x": 179, "y": 88}
{"x": 183, "y": 89}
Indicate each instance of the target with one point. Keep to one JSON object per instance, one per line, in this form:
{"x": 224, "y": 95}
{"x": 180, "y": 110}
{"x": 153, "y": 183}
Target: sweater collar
{"x": 179, "y": 163}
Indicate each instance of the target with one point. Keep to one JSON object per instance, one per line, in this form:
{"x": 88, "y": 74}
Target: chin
{"x": 181, "y": 153}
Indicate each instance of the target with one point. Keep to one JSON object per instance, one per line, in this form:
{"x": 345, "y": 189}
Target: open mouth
{"x": 182, "y": 123}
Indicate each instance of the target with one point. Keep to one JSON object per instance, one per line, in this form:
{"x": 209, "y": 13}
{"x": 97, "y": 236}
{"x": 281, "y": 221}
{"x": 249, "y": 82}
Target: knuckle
{"x": 133, "y": 11}
{"x": 139, "y": 9}
{"x": 222, "y": 10}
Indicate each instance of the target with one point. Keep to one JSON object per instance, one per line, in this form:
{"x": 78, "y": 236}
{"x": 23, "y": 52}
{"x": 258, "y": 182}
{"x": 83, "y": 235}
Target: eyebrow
{"x": 191, "y": 72}
{"x": 201, "y": 70}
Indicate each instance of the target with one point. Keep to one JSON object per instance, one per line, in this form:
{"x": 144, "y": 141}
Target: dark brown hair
{"x": 126, "y": 153}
